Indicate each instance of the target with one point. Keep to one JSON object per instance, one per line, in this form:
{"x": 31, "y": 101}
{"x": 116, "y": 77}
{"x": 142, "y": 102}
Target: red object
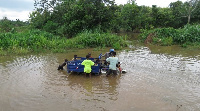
{"x": 120, "y": 69}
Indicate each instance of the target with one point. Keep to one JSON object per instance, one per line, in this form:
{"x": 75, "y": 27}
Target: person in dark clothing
{"x": 60, "y": 67}
{"x": 107, "y": 55}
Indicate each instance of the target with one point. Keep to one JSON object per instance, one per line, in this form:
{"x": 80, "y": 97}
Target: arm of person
{"x": 108, "y": 59}
{"x": 92, "y": 63}
{"x": 83, "y": 63}
{"x": 105, "y": 54}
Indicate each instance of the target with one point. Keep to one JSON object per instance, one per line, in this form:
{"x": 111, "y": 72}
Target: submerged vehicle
{"x": 75, "y": 65}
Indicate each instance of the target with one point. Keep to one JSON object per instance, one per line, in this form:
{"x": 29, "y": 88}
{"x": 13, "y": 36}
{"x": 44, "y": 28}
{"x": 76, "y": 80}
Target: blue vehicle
{"x": 75, "y": 65}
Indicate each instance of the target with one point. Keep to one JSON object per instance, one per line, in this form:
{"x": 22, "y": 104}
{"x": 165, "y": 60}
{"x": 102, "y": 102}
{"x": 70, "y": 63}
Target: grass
{"x": 188, "y": 35}
{"x": 32, "y": 41}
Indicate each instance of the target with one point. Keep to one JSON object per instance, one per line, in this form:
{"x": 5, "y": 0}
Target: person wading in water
{"x": 87, "y": 65}
{"x": 113, "y": 62}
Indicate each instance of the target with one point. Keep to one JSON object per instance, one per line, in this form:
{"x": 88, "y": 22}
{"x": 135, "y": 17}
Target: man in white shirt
{"x": 113, "y": 62}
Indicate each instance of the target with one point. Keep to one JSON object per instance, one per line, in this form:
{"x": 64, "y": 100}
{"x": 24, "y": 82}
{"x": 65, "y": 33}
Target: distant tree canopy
{"x": 70, "y": 17}
{"x": 186, "y": 11}
{"x": 7, "y": 25}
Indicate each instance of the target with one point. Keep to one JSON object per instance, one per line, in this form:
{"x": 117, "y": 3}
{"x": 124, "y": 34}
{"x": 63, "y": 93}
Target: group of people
{"x": 110, "y": 57}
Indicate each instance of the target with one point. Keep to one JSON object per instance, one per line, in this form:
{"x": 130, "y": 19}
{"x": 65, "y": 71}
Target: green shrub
{"x": 191, "y": 33}
{"x": 97, "y": 39}
{"x": 41, "y": 41}
{"x": 167, "y": 41}
{"x": 170, "y": 36}
{"x": 117, "y": 46}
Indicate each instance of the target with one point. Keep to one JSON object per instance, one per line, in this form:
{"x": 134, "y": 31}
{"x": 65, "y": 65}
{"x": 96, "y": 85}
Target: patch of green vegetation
{"x": 188, "y": 35}
{"x": 97, "y": 39}
{"x": 41, "y": 41}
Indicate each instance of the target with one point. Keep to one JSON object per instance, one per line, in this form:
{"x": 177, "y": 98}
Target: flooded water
{"x": 157, "y": 79}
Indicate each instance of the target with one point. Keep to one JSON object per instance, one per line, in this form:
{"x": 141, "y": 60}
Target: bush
{"x": 167, "y": 41}
{"x": 30, "y": 41}
{"x": 41, "y": 41}
{"x": 117, "y": 46}
{"x": 98, "y": 39}
{"x": 170, "y": 36}
{"x": 191, "y": 33}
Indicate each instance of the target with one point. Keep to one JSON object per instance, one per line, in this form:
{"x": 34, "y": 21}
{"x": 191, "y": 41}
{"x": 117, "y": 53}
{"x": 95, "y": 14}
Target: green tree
{"x": 196, "y": 13}
{"x": 72, "y": 16}
{"x": 144, "y": 18}
{"x": 164, "y": 17}
{"x": 177, "y": 13}
{"x": 129, "y": 14}
{"x": 190, "y": 7}
{"x": 5, "y": 25}
{"x": 154, "y": 14}
{"x": 183, "y": 12}
{"x": 38, "y": 19}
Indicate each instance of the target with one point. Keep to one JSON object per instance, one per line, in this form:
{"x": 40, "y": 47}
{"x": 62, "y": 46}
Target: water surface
{"x": 157, "y": 79}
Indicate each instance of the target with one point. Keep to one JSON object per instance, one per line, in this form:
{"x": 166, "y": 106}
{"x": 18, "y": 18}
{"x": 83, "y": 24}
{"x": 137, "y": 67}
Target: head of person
{"x": 87, "y": 56}
{"x": 112, "y": 50}
{"x": 66, "y": 60}
{"x": 75, "y": 56}
{"x": 113, "y": 53}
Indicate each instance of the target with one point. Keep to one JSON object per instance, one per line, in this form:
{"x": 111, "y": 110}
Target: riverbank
{"x": 187, "y": 37}
{"x": 36, "y": 41}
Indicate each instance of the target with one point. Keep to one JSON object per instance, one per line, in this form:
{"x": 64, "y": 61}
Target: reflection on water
{"x": 155, "y": 81}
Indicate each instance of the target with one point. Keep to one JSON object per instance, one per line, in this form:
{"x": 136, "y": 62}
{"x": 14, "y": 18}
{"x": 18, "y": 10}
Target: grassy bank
{"x": 187, "y": 36}
{"x": 39, "y": 41}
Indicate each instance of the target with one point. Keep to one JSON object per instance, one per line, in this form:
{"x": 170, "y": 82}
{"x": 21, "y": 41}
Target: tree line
{"x": 70, "y": 17}
{"x": 67, "y": 18}
{"x": 90, "y": 23}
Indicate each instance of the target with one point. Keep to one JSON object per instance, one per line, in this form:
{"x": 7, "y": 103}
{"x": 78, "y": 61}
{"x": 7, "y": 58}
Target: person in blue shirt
{"x": 113, "y": 61}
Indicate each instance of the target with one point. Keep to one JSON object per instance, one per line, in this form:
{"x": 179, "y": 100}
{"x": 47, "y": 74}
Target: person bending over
{"x": 60, "y": 67}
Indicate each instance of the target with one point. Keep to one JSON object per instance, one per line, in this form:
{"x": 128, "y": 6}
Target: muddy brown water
{"x": 157, "y": 79}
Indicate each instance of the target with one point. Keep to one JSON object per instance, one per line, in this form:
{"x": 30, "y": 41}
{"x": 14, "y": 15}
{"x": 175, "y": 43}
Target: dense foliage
{"x": 168, "y": 36}
{"x": 58, "y": 25}
{"x": 69, "y": 17}
{"x": 41, "y": 41}
{"x": 96, "y": 39}
{"x": 12, "y": 26}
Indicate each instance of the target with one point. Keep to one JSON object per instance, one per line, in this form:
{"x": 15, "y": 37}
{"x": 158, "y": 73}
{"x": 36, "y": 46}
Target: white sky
{"x": 159, "y": 3}
{"x": 20, "y": 9}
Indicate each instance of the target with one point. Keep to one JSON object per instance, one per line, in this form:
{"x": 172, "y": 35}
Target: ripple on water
{"x": 153, "y": 82}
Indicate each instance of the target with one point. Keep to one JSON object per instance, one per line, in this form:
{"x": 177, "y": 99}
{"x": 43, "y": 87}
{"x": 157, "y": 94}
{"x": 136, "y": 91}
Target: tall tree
{"x": 196, "y": 13}
{"x": 184, "y": 10}
{"x": 177, "y": 13}
{"x": 72, "y": 16}
{"x": 190, "y": 7}
{"x": 129, "y": 14}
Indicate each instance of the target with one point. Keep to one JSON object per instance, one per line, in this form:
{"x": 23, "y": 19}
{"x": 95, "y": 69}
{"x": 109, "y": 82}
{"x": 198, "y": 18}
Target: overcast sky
{"x": 20, "y": 9}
